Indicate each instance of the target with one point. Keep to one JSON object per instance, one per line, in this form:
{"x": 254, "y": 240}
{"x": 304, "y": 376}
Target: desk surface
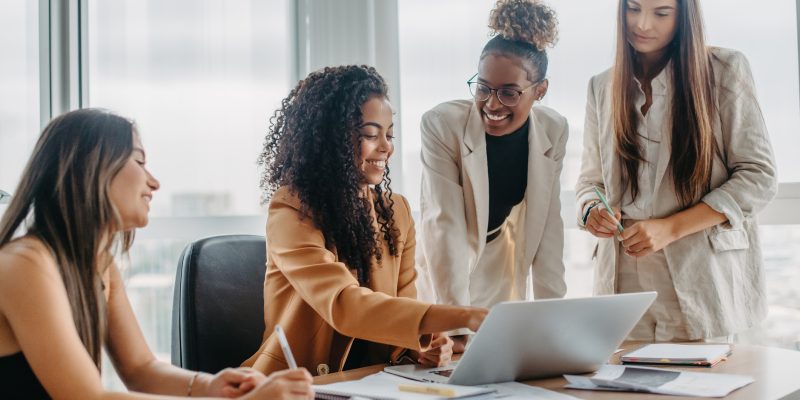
{"x": 776, "y": 373}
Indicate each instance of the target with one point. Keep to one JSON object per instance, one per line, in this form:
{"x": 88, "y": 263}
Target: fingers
{"x": 441, "y": 347}
{"x": 293, "y": 374}
{"x": 605, "y": 219}
{"x": 286, "y": 384}
{"x": 597, "y": 230}
{"x": 233, "y": 376}
{"x": 437, "y": 357}
{"x": 476, "y": 317}
{"x": 636, "y": 241}
{"x": 459, "y": 343}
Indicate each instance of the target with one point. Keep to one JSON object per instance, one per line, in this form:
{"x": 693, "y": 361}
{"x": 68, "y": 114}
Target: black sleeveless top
{"x": 17, "y": 380}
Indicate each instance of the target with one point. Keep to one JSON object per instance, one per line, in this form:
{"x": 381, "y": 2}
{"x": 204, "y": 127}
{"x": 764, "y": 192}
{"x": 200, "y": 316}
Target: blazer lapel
{"x": 541, "y": 173}
{"x": 476, "y": 175}
{"x": 661, "y": 86}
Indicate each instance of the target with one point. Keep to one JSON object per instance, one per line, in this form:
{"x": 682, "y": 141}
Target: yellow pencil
{"x": 446, "y": 392}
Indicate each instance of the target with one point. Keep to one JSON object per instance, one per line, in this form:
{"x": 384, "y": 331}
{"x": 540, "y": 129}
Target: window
{"x": 440, "y": 42}
{"x": 201, "y": 79}
{"x": 19, "y": 98}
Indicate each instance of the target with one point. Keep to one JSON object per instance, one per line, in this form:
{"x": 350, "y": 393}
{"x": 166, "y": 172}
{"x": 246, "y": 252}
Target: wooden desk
{"x": 776, "y": 373}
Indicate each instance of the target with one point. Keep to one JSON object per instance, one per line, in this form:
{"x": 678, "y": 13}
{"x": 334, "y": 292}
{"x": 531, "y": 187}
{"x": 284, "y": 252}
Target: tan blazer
{"x": 318, "y": 302}
{"x": 455, "y": 202}
{"x": 718, "y": 273}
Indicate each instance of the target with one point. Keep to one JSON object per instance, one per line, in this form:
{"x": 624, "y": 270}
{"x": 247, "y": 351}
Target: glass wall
{"x": 19, "y": 96}
{"x": 201, "y": 79}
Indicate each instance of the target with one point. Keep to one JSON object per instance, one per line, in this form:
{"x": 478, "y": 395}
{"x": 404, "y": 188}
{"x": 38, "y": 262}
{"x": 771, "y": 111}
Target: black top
{"x": 17, "y": 380}
{"x": 507, "y": 157}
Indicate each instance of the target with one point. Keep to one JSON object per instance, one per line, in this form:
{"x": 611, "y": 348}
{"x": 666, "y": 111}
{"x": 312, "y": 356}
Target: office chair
{"x": 218, "y": 309}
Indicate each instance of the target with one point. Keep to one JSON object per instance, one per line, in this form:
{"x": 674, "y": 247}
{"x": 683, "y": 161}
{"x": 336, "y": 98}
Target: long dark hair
{"x": 63, "y": 194}
{"x": 310, "y": 148}
{"x": 692, "y": 111}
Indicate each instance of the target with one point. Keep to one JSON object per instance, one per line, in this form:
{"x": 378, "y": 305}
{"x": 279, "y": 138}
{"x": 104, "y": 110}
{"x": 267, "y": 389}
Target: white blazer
{"x": 718, "y": 273}
{"x": 455, "y": 202}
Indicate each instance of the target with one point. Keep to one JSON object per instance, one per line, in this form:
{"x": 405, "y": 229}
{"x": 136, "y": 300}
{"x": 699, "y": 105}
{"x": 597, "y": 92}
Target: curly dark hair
{"x": 311, "y": 148}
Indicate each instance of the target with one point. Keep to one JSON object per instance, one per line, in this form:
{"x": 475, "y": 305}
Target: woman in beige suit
{"x": 340, "y": 272}
{"x": 490, "y": 178}
{"x": 675, "y": 139}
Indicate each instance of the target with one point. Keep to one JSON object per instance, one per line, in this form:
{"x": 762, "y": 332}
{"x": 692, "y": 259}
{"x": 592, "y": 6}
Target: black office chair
{"x": 218, "y": 310}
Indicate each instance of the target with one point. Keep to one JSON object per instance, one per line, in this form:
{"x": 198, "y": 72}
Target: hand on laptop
{"x": 459, "y": 343}
{"x": 439, "y": 353}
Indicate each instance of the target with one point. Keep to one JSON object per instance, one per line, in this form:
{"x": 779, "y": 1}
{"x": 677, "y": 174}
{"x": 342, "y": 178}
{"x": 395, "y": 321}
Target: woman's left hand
{"x": 440, "y": 352}
{"x": 230, "y": 382}
{"x": 646, "y": 237}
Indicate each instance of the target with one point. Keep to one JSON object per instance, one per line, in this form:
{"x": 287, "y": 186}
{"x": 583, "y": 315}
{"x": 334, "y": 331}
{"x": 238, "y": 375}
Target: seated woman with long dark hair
{"x": 82, "y": 194}
{"x": 340, "y": 245}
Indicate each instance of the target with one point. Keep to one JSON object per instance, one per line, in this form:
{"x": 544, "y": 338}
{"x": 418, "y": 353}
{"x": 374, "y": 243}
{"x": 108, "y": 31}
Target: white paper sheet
{"x": 659, "y": 380}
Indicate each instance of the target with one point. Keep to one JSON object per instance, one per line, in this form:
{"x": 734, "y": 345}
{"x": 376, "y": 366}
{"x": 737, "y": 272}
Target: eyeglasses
{"x": 507, "y": 96}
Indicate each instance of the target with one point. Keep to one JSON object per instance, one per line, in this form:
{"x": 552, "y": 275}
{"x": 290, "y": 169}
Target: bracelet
{"x": 191, "y": 383}
{"x": 588, "y": 210}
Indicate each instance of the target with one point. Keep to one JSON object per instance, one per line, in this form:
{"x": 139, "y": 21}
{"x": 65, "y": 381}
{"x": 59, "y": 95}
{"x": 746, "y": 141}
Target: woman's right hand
{"x": 290, "y": 384}
{"x": 600, "y": 223}
{"x": 476, "y": 317}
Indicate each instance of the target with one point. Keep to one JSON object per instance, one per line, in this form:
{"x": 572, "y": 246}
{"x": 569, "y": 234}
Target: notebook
{"x": 706, "y": 355}
{"x": 384, "y": 386}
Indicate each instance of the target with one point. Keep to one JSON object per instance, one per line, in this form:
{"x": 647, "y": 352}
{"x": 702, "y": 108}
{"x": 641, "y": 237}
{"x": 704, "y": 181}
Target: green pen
{"x": 608, "y": 208}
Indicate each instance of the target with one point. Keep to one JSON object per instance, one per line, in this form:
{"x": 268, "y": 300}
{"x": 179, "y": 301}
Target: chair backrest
{"x": 218, "y": 309}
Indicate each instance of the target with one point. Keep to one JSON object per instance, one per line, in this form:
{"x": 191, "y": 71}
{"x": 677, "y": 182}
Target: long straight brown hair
{"x": 692, "y": 110}
{"x": 63, "y": 196}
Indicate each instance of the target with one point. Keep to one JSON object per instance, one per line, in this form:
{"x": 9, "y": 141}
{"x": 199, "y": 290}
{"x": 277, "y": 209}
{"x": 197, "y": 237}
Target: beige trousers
{"x": 663, "y": 321}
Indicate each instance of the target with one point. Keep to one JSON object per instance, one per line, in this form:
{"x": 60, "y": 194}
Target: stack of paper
{"x": 661, "y": 381}
{"x": 706, "y": 355}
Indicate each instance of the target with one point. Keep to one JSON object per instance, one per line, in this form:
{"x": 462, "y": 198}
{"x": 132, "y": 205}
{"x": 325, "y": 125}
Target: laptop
{"x": 523, "y": 340}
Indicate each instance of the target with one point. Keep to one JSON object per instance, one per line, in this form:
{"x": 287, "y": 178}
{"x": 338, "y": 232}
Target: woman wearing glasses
{"x": 675, "y": 139}
{"x": 491, "y": 166}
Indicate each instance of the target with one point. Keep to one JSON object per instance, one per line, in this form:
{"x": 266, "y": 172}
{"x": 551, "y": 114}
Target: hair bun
{"x": 528, "y": 21}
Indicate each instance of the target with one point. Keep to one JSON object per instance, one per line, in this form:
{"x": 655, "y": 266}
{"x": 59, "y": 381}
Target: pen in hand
{"x": 287, "y": 351}
{"x": 608, "y": 208}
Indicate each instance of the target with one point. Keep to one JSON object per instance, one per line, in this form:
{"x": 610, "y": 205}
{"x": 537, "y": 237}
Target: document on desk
{"x": 658, "y": 380}
{"x": 384, "y": 386}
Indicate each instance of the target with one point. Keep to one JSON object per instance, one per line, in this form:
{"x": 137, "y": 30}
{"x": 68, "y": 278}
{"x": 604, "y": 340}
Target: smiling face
{"x": 376, "y": 133}
{"x": 651, "y": 25}
{"x": 501, "y": 71}
{"x": 132, "y": 189}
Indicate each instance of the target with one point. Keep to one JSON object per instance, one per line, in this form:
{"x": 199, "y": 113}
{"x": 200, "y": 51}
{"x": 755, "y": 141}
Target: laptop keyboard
{"x": 443, "y": 372}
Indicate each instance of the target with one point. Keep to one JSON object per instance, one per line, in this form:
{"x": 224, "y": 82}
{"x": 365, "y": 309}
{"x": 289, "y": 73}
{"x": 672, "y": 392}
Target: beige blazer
{"x": 718, "y": 273}
{"x": 318, "y": 302}
{"x": 455, "y": 201}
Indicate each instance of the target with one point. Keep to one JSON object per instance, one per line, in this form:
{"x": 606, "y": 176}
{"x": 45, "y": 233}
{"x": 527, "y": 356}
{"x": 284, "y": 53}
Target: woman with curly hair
{"x": 85, "y": 190}
{"x": 340, "y": 270}
{"x": 675, "y": 139}
{"x": 490, "y": 172}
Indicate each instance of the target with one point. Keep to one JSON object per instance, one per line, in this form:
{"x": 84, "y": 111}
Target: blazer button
{"x": 323, "y": 369}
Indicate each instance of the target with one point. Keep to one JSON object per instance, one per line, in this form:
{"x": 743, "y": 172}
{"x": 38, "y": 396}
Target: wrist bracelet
{"x": 191, "y": 383}
{"x": 588, "y": 210}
